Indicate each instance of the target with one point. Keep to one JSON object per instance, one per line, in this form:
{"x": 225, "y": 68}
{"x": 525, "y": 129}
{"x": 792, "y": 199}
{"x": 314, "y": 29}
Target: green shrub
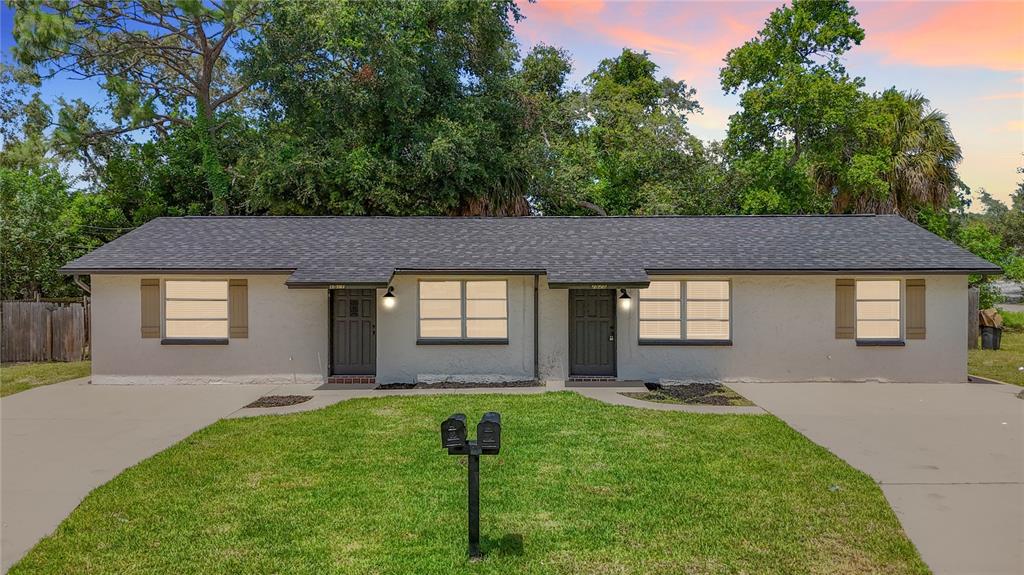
{"x": 1012, "y": 320}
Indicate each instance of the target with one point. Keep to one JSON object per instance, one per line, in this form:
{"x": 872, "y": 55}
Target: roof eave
{"x": 995, "y": 270}
{"x": 171, "y": 271}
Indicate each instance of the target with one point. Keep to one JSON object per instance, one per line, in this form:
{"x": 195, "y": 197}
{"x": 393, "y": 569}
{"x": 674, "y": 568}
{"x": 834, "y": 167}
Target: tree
{"x": 794, "y": 89}
{"x": 628, "y": 150}
{"x": 979, "y": 239}
{"x": 386, "y": 107}
{"x": 161, "y": 64}
{"x": 35, "y": 236}
{"x": 24, "y": 118}
{"x": 992, "y": 206}
{"x": 1013, "y": 221}
{"x": 898, "y": 157}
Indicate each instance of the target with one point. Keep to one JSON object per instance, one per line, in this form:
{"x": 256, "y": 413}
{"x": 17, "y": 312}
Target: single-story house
{"x": 406, "y": 299}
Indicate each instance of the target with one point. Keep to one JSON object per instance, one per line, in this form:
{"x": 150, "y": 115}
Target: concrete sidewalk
{"x": 324, "y": 396}
{"x": 948, "y": 457}
{"x": 61, "y": 441}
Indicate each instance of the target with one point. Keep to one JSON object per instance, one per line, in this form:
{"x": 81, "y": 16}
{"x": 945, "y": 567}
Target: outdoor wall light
{"x": 624, "y": 300}
{"x": 389, "y": 298}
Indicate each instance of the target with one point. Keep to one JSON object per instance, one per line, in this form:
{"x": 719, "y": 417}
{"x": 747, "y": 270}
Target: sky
{"x": 967, "y": 58}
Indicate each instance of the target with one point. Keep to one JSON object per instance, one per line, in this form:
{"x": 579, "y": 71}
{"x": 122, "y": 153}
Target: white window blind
{"x": 707, "y": 310}
{"x": 878, "y": 309}
{"x": 472, "y": 309}
{"x": 684, "y": 311}
{"x": 196, "y": 309}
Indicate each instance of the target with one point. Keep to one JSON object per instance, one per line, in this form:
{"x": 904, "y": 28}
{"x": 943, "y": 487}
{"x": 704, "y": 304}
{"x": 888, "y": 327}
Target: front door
{"x": 354, "y": 335}
{"x": 592, "y": 332}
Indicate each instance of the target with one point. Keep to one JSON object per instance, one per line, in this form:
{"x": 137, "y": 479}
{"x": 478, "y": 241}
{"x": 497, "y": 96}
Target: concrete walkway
{"x": 326, "y": 395}
{"x": 61, "y": 441}
{"x": 948, "y": 457}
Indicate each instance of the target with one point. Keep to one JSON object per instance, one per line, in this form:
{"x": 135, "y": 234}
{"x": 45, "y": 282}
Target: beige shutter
{"x": 150, "y": 291}
{"x": 915, "y": 309}
{"x": 238, "y": 308}
{"x": 846, "y": 309}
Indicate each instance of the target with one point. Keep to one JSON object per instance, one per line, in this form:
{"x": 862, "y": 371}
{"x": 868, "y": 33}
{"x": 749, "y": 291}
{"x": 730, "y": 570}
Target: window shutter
{"x": 150, "y": 291}
{"x": 915, "y": 309}
{"x": 846, "y": 312}
{"x": 238, "y": 308}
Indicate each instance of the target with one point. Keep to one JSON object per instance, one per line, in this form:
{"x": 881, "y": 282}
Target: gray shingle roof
{"x": 614, "y": 250}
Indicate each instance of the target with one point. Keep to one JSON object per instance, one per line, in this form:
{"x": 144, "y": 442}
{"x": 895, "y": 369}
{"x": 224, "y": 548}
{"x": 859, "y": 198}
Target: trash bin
{"x": 990, "y": 337}
{"x": 991, "y": 328}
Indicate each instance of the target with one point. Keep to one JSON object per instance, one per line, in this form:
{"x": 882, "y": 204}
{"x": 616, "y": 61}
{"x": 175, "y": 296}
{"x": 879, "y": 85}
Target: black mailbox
{"x": 488, "y": 442}
{"x": 488, "y": 433}
{"x": 453, "y": 431}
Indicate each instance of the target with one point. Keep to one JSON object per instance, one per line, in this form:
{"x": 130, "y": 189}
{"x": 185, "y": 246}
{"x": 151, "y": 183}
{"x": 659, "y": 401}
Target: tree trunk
{"x": 213, "y": 170}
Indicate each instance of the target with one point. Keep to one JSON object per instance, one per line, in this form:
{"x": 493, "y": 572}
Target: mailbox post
{"x": 488, "y": 442}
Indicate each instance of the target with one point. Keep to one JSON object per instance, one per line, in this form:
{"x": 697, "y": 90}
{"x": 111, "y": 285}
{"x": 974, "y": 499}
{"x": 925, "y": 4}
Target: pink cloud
{"x": 1004, "y": 96}
{"x": 688, "y": 39}
{"x": 972, "y": 34}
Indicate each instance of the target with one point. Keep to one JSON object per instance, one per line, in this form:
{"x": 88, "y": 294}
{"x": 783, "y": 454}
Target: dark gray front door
{"x": 354, "y": 335}
{"x": 591, "y": 332}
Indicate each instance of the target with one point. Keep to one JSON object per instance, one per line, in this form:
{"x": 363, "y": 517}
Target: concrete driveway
{"x": 949, "y": 458}
{"x": 61, "y": 441}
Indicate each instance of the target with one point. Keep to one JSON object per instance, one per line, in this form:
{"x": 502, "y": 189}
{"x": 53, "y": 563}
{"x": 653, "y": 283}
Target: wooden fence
{"x": 973, "y": 331}
{"x": 44, "y": 331}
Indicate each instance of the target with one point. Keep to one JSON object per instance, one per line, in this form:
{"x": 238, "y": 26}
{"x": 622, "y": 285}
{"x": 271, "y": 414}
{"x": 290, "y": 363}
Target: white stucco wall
{"x": 554, "y": 332}
{"x": 784, "y": 330}
{"x": 401, "y": 360}
{"x": 287, "y": 338}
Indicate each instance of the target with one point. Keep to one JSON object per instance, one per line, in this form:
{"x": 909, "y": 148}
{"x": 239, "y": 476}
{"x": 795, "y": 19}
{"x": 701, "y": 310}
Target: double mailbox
{"x": 455, "y": 438}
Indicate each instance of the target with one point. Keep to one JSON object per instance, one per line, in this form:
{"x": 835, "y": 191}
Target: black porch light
{"x": 624, "y": 299}
{"x": 389, "y": 298}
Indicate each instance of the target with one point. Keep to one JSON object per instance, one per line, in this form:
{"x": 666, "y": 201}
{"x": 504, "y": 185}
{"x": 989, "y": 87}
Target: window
{"x": 196, "y": 309}
{"x": 878, "y": 309}
{"x": 685, "y": 311}
{"x": 469, "y": 310}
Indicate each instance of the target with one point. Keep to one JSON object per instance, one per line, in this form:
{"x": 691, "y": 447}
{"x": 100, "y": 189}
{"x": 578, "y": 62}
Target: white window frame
{"x": 683, "y": 339}
{"x": 163, "y": 309}
{"x": 900, "y": 336}
{"x": 464, "y": 338}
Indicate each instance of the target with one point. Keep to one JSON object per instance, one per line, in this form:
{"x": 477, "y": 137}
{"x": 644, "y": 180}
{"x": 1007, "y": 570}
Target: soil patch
{"x": 280, "y": 400}
{"x": 691, "y": 393}
{"x": 458, "y": 385}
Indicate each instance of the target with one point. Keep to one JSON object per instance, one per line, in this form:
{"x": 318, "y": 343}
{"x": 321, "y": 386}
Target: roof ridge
{"x": 617, "y": 217}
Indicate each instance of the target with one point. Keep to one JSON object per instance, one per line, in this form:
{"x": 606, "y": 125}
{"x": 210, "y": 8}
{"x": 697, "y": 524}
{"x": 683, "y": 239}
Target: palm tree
{"x": 916, "y": 153}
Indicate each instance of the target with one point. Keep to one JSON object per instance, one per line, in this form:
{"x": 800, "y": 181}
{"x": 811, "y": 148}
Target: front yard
{"x": 580, "y": 487}
{"x": 1003, "y": 365}
{"x": 15, "y": 377}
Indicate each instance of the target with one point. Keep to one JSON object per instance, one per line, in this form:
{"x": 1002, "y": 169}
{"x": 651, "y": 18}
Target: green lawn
{"x": 580, "y": 487}
{"x": 1003, "y": 365}
{"x": 15, "y": 377}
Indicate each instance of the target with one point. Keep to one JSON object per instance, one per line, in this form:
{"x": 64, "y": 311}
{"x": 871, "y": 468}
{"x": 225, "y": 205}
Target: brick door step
{"x": 352, "y": 379}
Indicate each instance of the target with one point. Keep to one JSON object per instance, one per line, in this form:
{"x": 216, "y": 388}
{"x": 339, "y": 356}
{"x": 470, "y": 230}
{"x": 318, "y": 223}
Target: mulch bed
{"x": 280, "y": 400}
{"x": 458, "y": 385}
{"x": 694, "y": 393}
